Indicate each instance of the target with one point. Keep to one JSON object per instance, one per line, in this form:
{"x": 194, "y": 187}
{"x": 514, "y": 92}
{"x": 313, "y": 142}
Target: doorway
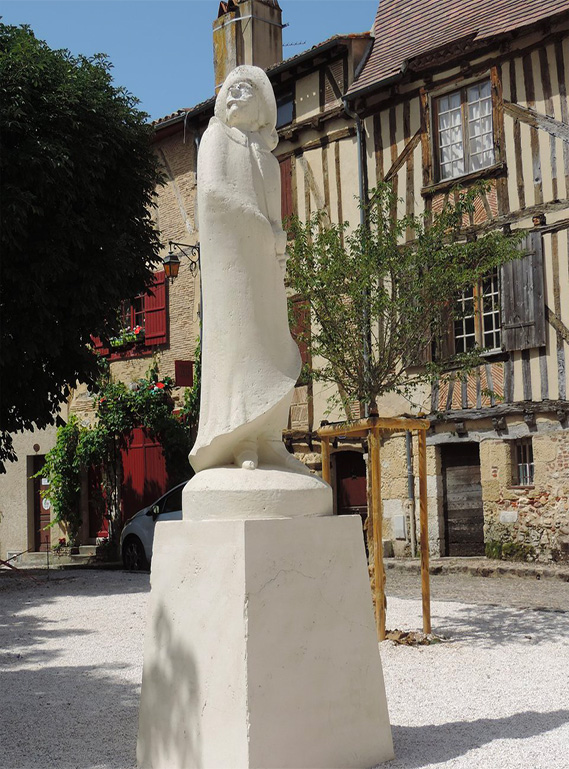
{"x": 42, "y": 508}
{"x": 351, "y": 487}
{"x": 463, "y": 509}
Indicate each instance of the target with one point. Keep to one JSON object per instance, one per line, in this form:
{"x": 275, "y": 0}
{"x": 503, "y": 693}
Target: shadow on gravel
{"x": 67, "y": 717}
{"x": 491, "y": 626}
{"x": 25, "y": 621}
{"x": 86, "y": 582}
{"x": 430, "y": 745}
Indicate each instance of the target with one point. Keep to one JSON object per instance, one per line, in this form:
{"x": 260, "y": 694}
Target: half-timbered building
{"x": 452, "y": 93}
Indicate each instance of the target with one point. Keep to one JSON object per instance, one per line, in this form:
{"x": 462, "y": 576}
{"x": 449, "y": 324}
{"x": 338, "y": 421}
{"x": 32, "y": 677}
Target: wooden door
{"x": 463, "y": 510}
{"x": 42, "y": 510}
{"x": 351, "y": 493}
{"x": 144, "y": 473}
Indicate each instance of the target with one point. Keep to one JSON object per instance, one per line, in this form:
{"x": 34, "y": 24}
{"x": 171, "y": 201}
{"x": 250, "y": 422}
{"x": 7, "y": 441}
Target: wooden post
{"x": 377, "y": 524}
{"x": 325, "y": 453}
{"x": 424, "y": 525}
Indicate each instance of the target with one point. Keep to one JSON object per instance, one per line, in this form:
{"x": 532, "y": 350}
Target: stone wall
{"x": 531, "y": 522}
{"x": 397, "y": 508}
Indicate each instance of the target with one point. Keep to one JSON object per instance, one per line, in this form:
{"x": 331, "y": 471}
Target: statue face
{"x": 242, "y": 105}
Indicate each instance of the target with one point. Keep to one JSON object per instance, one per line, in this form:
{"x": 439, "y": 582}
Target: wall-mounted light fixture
{"x": 171, "y": 261}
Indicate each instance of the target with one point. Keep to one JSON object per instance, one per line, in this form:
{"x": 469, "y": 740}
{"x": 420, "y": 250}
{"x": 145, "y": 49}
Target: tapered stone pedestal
{"x": 260, "y": 649}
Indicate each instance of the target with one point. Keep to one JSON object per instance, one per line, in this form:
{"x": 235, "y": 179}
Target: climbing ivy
{"x": 120, "y": 408}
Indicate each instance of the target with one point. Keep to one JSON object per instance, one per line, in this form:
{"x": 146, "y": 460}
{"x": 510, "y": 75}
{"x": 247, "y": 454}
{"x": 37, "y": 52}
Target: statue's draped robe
{"x": 250, "y": 361}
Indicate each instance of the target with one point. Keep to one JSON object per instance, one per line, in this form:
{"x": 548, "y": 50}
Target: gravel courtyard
{"x": 495, "y": 695}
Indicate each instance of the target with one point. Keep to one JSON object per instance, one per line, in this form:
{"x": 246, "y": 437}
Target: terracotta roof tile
{"x": 405, "y": 29}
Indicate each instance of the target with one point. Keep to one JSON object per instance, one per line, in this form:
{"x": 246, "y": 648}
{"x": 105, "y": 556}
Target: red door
{"x": 42, "y": 510}
{"x": 351, "y": 483}
{"x": 144, "y": 473}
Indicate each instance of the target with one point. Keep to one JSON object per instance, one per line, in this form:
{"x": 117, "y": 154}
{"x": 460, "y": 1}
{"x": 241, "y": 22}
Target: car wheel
{"x": 133, "y": 555}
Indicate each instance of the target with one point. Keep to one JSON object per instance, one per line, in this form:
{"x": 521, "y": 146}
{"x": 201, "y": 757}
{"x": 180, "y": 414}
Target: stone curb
{"x": 480, "y": 567}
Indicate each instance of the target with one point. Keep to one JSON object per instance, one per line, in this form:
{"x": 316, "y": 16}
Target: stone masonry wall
{"x": 532, "y": 522}
{"x": 394, "y": 492}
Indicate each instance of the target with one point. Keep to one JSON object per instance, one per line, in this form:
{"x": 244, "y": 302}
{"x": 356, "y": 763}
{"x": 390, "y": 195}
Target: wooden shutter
{"x": 522, "y": 300}
{"x": 287, "y": 209}
{"x": 184, "y": 373}
{"x": 155, "y": 312}
{"x": 100, "y": 349}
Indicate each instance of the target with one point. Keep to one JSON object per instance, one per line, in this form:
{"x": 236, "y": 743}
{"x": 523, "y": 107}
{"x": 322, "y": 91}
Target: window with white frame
{"x": 464, "y": 132}
{"x": 477, "y": 316}
{"x": 522, "y": 461}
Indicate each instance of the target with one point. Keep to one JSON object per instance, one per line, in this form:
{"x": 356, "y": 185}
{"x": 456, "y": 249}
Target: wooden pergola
{"x": 371, "y": 429}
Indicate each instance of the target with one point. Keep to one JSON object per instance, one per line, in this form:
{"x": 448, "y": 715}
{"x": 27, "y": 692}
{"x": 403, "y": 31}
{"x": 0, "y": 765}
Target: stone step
{"x": 55, "y": 561}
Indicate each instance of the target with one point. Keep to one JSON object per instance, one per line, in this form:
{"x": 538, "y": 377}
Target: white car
{"x": 137, "y": 537}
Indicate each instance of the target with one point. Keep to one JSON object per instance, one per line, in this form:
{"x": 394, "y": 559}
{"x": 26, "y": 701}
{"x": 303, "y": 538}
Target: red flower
{"x": 160, "y": 385}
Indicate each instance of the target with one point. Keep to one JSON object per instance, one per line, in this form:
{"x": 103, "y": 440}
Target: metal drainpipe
{"x": 411, "y": 492}
{"x": 197, "y": 139}
{"x": 363, "y": 189}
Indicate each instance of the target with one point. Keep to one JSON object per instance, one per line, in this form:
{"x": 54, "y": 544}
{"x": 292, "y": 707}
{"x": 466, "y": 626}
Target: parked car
{"x": 137, "y": 535}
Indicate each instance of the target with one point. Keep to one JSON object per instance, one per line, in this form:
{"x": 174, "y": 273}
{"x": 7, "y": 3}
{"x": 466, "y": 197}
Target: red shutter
{"x": 184, "y": 373}
{"x": 155, "y": 310}
{"x": 98, "y": 345}
{"x": 287, "y": 209}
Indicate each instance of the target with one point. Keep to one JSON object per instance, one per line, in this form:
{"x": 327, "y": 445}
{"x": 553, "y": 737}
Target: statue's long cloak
{"x": 250, "y": 363}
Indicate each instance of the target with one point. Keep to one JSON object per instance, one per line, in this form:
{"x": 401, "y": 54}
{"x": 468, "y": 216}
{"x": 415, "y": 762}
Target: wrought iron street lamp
{"x": 171, "y": 261}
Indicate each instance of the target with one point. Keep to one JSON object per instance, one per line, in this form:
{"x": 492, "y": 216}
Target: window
{"x": 285, "y": 108}
{"x": 144, "y": 323}
{"x": 465, "y": 139}
{"x": 477, "y": 322}
{"x": 522, "y": 460}
{"x": 133, "y": 315}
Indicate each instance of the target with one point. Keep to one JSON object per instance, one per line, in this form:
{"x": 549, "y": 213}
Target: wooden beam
{"x": 536, "y": 120}
{"x": 504, "y": 409}
{"x": 383, "y": 423}
{"x": 557, "y": 324}
{"x": 424, "y": 528}
{"x": 377, "y": 526}
{"x": 405, "y": 154}
{"x": 325, "y": 453}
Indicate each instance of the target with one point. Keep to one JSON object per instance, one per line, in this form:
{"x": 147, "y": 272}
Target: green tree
{"x": 78, "y": 182}
{"x": 385, "y": 293}
{"x": 63, "y": 468}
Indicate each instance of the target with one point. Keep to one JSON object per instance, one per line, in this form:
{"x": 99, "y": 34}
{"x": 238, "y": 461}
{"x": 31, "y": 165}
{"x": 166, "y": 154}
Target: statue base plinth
{"x": 266, "y": 492}
{"x": 260, "y": 649}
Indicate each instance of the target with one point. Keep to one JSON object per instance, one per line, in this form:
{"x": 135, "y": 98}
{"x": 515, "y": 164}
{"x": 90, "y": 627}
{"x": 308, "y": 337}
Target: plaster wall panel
{"x": 307, "y": 96}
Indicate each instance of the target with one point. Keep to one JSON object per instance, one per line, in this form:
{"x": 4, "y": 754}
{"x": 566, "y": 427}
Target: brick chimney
{"x": 246, "y": 32}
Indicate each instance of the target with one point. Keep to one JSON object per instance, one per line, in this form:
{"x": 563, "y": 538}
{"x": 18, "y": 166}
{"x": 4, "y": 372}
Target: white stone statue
{"x": 250, "y": 361}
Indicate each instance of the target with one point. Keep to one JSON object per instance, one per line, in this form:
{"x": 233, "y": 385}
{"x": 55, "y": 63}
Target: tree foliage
{"x": 63, "y": 468}
{"x": 78, "y": 185}
{"x": 389, "y": 286}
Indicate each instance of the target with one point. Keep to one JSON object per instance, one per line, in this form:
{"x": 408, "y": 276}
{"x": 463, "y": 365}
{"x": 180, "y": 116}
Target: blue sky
{"x": 161, "y": 50}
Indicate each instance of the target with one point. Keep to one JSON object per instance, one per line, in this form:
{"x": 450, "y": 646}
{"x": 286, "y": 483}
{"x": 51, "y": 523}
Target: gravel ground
{"x": 494, "y": 696}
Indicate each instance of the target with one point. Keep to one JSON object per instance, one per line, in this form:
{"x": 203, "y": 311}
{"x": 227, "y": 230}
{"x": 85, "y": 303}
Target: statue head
{"x": 246, "y": 101}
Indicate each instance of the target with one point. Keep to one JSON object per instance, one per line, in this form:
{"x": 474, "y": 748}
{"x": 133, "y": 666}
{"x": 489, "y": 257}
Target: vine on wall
{"x": 120, "y": 409}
